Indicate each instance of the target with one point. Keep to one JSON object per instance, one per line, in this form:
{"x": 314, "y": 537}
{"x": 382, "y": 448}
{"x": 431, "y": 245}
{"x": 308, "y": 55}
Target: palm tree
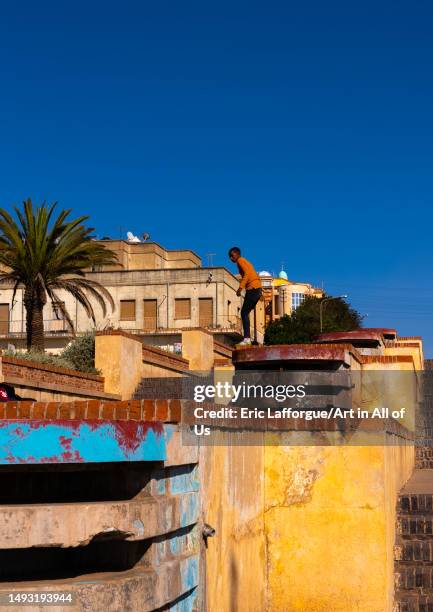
{"x": 43, "y": 256}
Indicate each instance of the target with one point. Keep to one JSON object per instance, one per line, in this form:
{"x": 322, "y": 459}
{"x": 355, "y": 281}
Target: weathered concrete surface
{"x": 136, "y": 590}
{"x": 119, "y": 358}
{"x": 310, "y": 527}
{"x": 198, "y": 349}
{"x": 80, "y": 441}
{"x": 232, "y": 490}
{"x": 177, "y": 452}
{"x": 23, "y": 526}
{"x": 154, "y": 528}
{"x": 301, "y": 527}
{"x": 257, "y": 357}
{"x": 329, "y": 523}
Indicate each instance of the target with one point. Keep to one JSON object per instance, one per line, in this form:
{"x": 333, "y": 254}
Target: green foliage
{"x": 39, "y": 357}
{"x": 81, "y": 353}
{"x": 43, "y": 255}
{"x": 78, "y": 355}
{"x": 303, "y": 325}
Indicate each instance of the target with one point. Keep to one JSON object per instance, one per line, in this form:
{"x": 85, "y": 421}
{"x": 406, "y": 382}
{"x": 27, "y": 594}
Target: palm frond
{"x": 45, "y": 253}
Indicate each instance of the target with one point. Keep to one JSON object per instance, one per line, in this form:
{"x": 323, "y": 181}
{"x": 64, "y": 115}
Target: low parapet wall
{"x": 162, "y": 410}
{"x": 287, "y": 513}
{"x": 125, "y": 361}
{"x": 157, "y": 362}
{"x": 46, "y": 382}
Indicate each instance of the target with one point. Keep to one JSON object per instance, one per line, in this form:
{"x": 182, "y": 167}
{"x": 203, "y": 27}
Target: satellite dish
{"x": 132, "y": 238}
{"x": 146, "y": 236}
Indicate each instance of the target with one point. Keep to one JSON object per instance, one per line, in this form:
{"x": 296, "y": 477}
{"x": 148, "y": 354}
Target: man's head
{"x": 234, "y": 254}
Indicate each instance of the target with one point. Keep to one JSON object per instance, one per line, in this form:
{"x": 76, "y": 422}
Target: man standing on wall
{"x": 253, "y": 290}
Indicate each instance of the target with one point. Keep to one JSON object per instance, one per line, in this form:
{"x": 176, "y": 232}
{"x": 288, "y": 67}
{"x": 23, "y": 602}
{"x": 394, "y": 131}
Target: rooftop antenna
{"x": 145, "y": 236}
{"x": 210, "y": 257}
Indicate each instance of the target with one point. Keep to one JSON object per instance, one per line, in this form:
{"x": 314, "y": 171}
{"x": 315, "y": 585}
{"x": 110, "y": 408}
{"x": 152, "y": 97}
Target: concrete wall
{"x": 44, "y": 382}
{"x": 59, "y": 464}
{"x": 198, "y": 349}
{"x": 119, "y": 358}
{"x": 232, "y": 480}
{"x": 302, "y": 526}
{"x": 124, "y": 361}
{"x": 330, "y": 525}
{"x": 150, "y": 256}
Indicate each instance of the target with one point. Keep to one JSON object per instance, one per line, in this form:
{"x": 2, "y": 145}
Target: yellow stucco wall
{"x": 306, "y": 527}
{"x": 119, "y": 358}
{"x": 330, "y": 525}
{"x": 301, "y": 528}
{"x": 232, "y": 493}
{"x": 198, "y": 348}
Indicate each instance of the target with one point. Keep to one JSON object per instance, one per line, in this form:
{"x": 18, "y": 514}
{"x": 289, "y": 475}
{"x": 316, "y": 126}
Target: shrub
{"x": 78, "y": 355}
{"x": 81, "y": 353}
{"x": 39, "y": 357}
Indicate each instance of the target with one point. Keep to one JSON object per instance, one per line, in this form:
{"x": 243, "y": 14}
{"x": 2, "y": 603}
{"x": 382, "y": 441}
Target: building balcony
{"x": 17, "y": 329}
{"x": 219, "y": 325}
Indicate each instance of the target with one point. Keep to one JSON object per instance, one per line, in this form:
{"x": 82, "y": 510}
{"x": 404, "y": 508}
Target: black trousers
{"x": 252, "y": 296}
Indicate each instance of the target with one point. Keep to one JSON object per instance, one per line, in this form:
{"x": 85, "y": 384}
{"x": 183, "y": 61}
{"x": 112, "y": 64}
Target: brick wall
{"x": 16, "y": 369}
{"x": 169, "y": 386}
{"x": 222, "y": 350}
{"x": 162, "y": 410}
{"x": 164, "y": 359}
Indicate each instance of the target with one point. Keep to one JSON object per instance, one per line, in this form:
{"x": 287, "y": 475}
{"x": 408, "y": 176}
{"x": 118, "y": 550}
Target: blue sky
{"x": 302, "y": 132}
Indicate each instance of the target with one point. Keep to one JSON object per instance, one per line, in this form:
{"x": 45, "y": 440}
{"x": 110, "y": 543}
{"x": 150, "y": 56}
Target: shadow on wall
{"x": 234, "y": 578}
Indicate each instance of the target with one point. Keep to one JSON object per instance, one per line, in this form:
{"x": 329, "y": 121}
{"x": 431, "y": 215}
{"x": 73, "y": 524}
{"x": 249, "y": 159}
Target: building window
{"x": 297, "y": 299}
{"x": 4, "y": 319}
{"x": 182, "y": 308}
{"x": 150, "y": 314}
{"x": 58, "y": 322}
{"x": 57, "y": 312}
{"x": 127, "y": 310}
{"x": 205, "y": 312}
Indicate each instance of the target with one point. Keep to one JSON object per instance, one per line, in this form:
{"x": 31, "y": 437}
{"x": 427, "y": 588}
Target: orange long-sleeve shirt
{"x": 250, "y": 278}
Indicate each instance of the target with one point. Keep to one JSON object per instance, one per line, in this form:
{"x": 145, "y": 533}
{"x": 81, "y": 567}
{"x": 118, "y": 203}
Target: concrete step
{"x": 415, "y": 504}
{"x": 424, "y": 464}
{"x": 136, "y": 590}
{"x": 413, "y": 602}
{"x": 414, "y": 576}
{"x": 414, "y": 550}
{"x": 415, "y": 526}
{"x": 57, "y": 525}
{"x": 420, "y": 483}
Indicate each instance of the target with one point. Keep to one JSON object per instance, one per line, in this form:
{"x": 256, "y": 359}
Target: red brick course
{"x": 166, "y": 359}
{"x": 45, "y": 373}
{"x": 392, "y": 344}
{"x": 218, "y": 362}
{"x": 387, "y": 359}
{"x": 222, "y": 349}
{"x": 152, "y": 354}
{"x": 165, "y": 411}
